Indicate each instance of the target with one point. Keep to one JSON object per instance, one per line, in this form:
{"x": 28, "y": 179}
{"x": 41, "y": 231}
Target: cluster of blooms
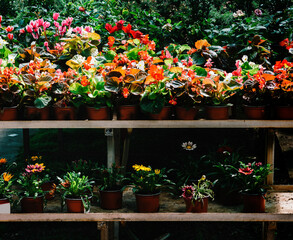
{"x": 37, "y": 27}
{"x": 289, "y": 45}
{"x": 249, "y": 170}
{"x": 137, "y": 168}
{"x": 36, "y": 168}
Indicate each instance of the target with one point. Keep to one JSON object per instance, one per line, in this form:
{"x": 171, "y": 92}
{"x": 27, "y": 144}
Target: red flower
{"x": 127, "y": 29}
{"x": 173, "y": 101}
{"x": 10, "y": 36}
{"x": 110, "y": 28}
{"x": 175, "y": 60}
{"x": 156, "y": 72}
{"x": 245, "y": 171}
{"x": 9, "y": 29}
{"x": 125, "y": 92}
{"x": 136, "y": 34}
{"x": 81, "y": 9}
{"x": 119, "y": 24}
{"x": 284, "y": 43}
{"x": 111, "y": 41}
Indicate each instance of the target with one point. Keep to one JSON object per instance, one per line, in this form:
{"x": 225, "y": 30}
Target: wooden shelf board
{"x": 141, "y": 217}
{"x": 148, "y": 124}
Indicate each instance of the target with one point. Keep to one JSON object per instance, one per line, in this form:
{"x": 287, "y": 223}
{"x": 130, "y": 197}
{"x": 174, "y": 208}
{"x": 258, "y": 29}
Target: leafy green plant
{"x": 111, "y": 178}
{"x": 148, "y": 181}
{"x": 6, "y": 190}
{"x": 196, "y": 192}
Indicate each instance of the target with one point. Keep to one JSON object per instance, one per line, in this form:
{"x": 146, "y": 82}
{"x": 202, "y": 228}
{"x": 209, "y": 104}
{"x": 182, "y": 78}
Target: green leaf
{"x": 110, "y": 55}
{"x": 133, "y": 54}
{"x": 42, "y": 101}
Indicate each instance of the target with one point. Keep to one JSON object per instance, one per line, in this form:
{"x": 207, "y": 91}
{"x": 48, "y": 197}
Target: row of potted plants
{"x": 126, "y": 71}
{"x": 76, "y": 189}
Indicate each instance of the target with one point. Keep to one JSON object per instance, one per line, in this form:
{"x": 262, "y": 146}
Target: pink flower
{"x": 21, "y": 31}
{"x": 188, "y": 192}
{"x": 88, "y": 29}
{"x": 56, "y": 16}
{"x": 40, "y": 22}
{"x": 10, "y": 36}
{"x": 258, "y": 164}
{"x": 9, "y": 29}
{"x": 257, "y": 12}
{"x": 245, "y": 171}
{"x": 209, "y": 63}
{"x": 56, "y": 24}
{"x": 46, "y": 25}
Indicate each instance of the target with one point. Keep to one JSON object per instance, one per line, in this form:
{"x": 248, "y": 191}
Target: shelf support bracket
{"x": 270, "y": 153}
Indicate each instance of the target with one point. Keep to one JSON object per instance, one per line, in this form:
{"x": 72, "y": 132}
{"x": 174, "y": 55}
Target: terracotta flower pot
{"x": 217, "y": 112}
{"x": 32, "y": 205}
{"x": 163, "y": 115}
{"x": 33, "y": 113}
{"x": 183, "y": 113}
{"x": 284, "y": 112}
{"x": 255, "y": 112}
{"x": 75, "y": 205}
{"x": 127, "y": 112}
{"x": 102, "y": 113}
{"x": 8, "y": 114}
{"x": 111, "y": 200}
{"x": 4, "y": 205}
{"x": 200, "y": 206}
{"x": 253, "y": 203}
{"x": 147, "y": 203}
{"x": 64, "y": 113}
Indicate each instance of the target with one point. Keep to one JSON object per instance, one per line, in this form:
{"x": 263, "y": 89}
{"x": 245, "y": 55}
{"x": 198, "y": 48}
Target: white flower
{"x": 291, "y": 50}
{"x": 189, "y": 146}
{"x": 244, "y": 58}
{"x": 2, "y": 43}
{"x": 94, "y": 52}
{"x": 69, "y": 33}
{"x": 11, "y": 58}
{"x": 228, "y": 78}
{"x": 212, "y": 74}
{"x": 78, "y": 59}
{"x": 140, "y": 65}
{"x": 235, "y": 15}
{"x": 240, "y": 13}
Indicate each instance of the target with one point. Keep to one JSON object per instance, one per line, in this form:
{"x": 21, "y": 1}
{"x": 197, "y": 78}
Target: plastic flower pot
{"x": 4, "y": 205}
{"x": 284, "y": 112}
{"x": 253, "y": 203}
{"x": 111, "y": 200}
{"x": 127, "y": 112}
{"x": 147, "y": 203}
{"x": 165, "y": 114}
{"x": 64, "y": 113}
{"x": 255, "y": 112}
{"x": 183, "y": 113}
{"x": 33, "y": 113}
{"x": 32, "y": 205}
{"x": 75, "y": 205}
{"x": 199, "y": 206}
{"x": 8, "y": 114}
{"x": 217, "y": 112}
{"x": 102, "y": 113}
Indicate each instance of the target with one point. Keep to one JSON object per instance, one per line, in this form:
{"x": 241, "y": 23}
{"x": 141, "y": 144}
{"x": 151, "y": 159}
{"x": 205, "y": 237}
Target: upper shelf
{"x": 148, "y": 124}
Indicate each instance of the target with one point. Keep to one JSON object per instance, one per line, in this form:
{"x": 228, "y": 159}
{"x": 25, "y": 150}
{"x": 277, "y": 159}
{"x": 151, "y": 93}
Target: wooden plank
{"x": 146, "y": 217}
{"x": 148, "y": 124}
{"x": 279, "y": 188}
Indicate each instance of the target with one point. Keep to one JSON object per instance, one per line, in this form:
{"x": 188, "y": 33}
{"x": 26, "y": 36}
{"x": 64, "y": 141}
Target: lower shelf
{"x": 279, "y": 208}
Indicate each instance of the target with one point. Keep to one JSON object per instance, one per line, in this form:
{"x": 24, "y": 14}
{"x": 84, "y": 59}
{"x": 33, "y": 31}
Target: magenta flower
{"x": 188, "y": 192}
{"x": 257, "y": 12}
{"x": 56, "y": 16}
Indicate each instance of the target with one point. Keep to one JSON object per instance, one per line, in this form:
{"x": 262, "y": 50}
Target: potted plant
{"x": 126, "y": 87}
{"x": 76, "y": 192}
{"x": 6, "y": 192}
{"x": 196, "y": 195}
{"x": 90, "y": 91}
{"x": 37, "y": 80}
{"x": 31, "y": 194}
{"x": 155, "y": 99}
{"x": 147, "y": 185}
{"x": 111, "y": 187}
{"x": 224, "y": 162}
{"x": 257, "y": 94}
{"x": 251, "y": 176}
{"x": 282, "y": 95}
{"x": 217, "y": 88}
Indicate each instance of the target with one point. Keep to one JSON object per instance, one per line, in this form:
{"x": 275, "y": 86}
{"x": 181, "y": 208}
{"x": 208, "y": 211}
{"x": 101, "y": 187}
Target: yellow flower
{"x": 7, "y": 176}
{"x": 203, "y": 177}
{"x": 34, "y": 158}
{"x": 3, "y": 160}
{"x": 157, "y": 171}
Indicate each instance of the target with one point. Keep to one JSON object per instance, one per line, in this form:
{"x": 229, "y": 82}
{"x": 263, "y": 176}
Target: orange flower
{"x": 66, "y": 184}
{"x": 7, "y": 176}
{"x": 87, "y": 64}
{"x": 111, "y": 41}
{"x": 156, "y": 72}
{"x": 3, "y": 161}
{"x": 202, "y": 44}
{"x": 84, "y": 81}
